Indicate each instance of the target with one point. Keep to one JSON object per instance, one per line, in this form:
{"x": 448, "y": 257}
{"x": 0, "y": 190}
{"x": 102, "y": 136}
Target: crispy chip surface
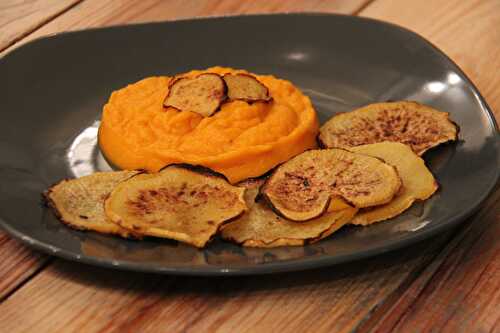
{"x": 260, "y": 226}
{"x": 302, "y": 188}
{"x": 79, "y": 203}
{"x": 418, "y": 181}
{"x": 179, "y": 203}
{"x": 202, "y": 94}
{"x": 245, "y": 87}
{"x": 411, "y": 123}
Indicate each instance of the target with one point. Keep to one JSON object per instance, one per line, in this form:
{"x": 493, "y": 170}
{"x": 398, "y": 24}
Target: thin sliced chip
{"x": 202, "y": 94}
{"x": 184, "y": 203}
{"x": 411, "y": 123}
{"x": 246, "y": 87}
{"x": 253, "y": 186}
{"x": 302, "y": 188}
{"x": 418, "y": 181}
{"x": 79, "y": 202}
{"x": 262, "y": 227}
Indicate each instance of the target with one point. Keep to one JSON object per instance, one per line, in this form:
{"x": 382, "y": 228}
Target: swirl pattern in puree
{"x": 240, "y": 141}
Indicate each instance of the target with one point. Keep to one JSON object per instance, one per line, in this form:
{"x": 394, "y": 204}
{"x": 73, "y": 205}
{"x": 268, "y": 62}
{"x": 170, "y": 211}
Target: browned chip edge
{"x": 198, "y": 169}
{"x": 278, "y": 212}
{"x": 269, "y": 177}
{"x": 268, "y": 98}
{"x": 48, "y": 202}
{"x": 322, "y": 144}
{"x": 456, "y": 138}
{"x": 201, "y": 170}
{"x": 180, "y": 77}
{"x": 275, "y": 242}
{"x": 299, "y": 242}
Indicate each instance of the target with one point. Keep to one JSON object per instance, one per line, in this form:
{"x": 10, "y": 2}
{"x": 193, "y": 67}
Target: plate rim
{"x": 285, "y": 265}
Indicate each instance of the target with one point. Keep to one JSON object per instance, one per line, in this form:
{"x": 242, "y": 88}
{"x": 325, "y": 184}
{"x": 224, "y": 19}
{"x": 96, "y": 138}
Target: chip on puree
{"x": 245, "y": 136}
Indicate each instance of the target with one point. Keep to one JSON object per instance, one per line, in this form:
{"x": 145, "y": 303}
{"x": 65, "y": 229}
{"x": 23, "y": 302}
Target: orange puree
{"x": 239, "y": 141}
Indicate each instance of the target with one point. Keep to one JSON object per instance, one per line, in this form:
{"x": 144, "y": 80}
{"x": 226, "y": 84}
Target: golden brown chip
{"x": 246, "y": 87}
{"x": 202, "y": 94}
{"x": 79, "y": 203}
{"x": 411, "y": 123}
{"x": 180, "y": 202}
{"x": 262, "y": 227}
{"x": 418, "y": 181}
{"x": 302, "y": 188}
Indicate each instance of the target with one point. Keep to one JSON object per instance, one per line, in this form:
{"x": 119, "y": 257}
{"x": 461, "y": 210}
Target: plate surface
{"x": 53, "y": 89}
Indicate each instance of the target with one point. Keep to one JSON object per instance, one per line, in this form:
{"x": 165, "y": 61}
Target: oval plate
{"x": 53, "y": 89}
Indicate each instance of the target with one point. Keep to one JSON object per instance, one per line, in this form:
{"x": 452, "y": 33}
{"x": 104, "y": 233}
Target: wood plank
{"x": 97, "y": 13}
{"x": 19, "y": 18}
{"x": 80, "y": 298}
{"x": 17, "y": 265}
{"x": 467, "y": 31}
{"x": 69, "y": 297}
{"x": 459, "y": 291}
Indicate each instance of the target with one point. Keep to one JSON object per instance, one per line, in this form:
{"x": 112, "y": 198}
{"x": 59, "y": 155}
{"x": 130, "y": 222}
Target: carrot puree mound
{"x": 240, "y": 141}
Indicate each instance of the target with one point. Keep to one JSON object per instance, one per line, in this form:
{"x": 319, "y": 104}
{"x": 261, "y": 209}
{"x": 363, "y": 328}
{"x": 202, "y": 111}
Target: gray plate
{"x": 52, "y": 91}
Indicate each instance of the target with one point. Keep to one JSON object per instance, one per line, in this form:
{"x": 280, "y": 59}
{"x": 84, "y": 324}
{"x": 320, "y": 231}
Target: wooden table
{"x": 450, "y": 283}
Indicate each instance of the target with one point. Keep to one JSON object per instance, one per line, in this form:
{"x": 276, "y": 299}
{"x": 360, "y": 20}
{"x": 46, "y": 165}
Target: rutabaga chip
{"x": 418, "y": 181}
{"x": 417, "y": 125}
{"x": 302, "y": 188}
{"x": 246, "y": 87}
{"x": 79, "y": 202}
{"x": 203, "y": 94}
{"x": 180, "y": 202}
{"x": 260, "y": 226}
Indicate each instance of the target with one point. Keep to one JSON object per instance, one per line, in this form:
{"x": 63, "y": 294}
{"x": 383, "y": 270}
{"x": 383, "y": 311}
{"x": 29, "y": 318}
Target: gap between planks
{"x": 37, "y": 26}
{"x": 44, "y": 263}
{"x": 19, "y": 264}
{"x": 362, "y": 7}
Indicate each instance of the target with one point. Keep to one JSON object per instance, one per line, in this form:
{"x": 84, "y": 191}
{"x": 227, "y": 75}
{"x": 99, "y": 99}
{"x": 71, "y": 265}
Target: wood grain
{"x": 464, "y": 292}
{"x": 17, "y": 264}
{"x": 18, "y": 18}
{"x": 467, "y": 31}
{"x": 97, "y": 13}
{"x": 459, "y": 291}
{"x": 420, "y": 289}
{"x": 75, "y": 298}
